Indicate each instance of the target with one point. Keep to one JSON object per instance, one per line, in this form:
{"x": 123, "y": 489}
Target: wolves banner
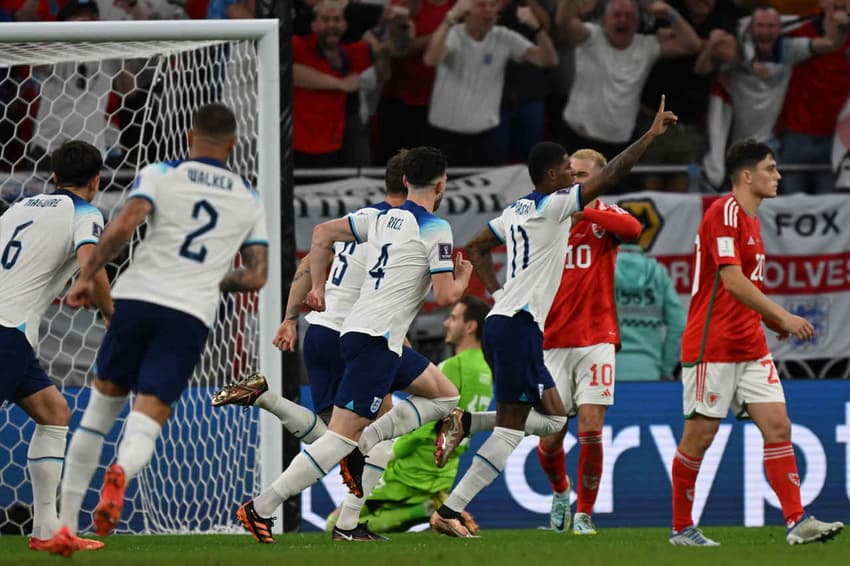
{"x": 807, "y": 239}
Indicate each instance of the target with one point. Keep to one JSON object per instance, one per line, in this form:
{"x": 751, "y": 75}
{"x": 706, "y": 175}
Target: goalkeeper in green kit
{"x": 412, "y": 485}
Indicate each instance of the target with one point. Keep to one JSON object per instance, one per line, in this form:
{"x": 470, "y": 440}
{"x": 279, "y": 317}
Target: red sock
{"x": 685, "y": 471}
{"x": 589, "y": 470}
{"x": 780, "y": 465}
{"x": 554, "y": 465}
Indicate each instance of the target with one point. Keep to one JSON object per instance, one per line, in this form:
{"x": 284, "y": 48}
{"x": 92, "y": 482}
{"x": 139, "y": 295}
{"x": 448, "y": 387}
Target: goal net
{"x": 134, "y": 101}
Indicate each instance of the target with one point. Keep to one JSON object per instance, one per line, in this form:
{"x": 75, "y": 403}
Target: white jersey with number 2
{"x": 203, "y": 213}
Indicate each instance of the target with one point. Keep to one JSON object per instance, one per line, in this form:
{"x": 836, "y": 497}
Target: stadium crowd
{"x": 484, "y": 80}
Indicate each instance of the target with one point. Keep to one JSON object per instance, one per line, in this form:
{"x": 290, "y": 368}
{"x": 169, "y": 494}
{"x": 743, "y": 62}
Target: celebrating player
{"x": 200, "y": 215}
{"x": 534, "y": 228}
{"x": 409, "y": 250}
{"x": 324, "y": 363}
{"x": 725, "y": 358}
{"x": 42, "y": 239}
{"x": 579, "y": 339}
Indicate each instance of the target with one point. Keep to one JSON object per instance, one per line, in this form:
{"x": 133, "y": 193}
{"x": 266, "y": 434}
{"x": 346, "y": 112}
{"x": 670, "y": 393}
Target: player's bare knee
{"x": 778, "y": 430}
{"x": 591, "y": 417}
{"x": 552, "y": 442}
{"x": 106, "y": 387}
{"x": 47, "y": 407}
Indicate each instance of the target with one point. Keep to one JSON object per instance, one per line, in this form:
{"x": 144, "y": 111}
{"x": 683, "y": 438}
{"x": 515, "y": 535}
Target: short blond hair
{"x": 591, "y": 155}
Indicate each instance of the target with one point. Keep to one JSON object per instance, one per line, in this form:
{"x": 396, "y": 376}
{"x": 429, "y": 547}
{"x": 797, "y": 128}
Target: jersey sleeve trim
{"x": 493, "y": 230}
{"x": 82, "y": 243}
{"x": 442, "y": 270}
{"x": 354, "y": 229}
{"x": 148, "y": 198}
{"x": 579, "y": 206}
{"x": 247, "y": 243}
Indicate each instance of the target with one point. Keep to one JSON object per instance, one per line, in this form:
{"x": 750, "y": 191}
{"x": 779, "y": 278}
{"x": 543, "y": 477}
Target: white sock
{"x": 485, "y": 420}
{"x": 138, "y": 444}
{"x": 376, "y": 461}
{"x": 84, "y": 453}
{"x": 543, "y": 425}
{"x": 44, "y": 461}
{"x": 404, "y": 417}
{"x": 486, "y": 466}
{"x": 308, "y": 467}
{"x": 303, "y": 423}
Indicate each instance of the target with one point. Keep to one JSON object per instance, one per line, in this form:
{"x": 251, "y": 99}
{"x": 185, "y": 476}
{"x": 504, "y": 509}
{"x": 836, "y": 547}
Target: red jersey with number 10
{"x": 584, "y": 312}
{"x": 719, "y": 328}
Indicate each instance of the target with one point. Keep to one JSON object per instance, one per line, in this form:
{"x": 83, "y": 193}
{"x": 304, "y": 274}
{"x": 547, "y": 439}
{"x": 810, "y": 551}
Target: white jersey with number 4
{"x": 348, "y": 271}
{"x": 39, "y": 237}
{"x": 406, "y": 246}
{"x": 535, "y": 229}
{"x": 203, "y": 214}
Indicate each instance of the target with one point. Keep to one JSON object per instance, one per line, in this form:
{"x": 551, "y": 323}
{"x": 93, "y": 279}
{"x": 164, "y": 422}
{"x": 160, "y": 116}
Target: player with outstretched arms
{"x": 579, "y": 342}
{"x": 725, "y": 360}
{"x": 42, "y": 238}
{"x": 535, "y": 230}
{"x": 200, "y": 215}
{"x": 409, "y": 250}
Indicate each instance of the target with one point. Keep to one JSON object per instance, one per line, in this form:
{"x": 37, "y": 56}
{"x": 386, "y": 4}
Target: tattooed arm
{"x": 252, "y": 275}
{"x": 287, "y": 333}
{"x": 620, "y": 166}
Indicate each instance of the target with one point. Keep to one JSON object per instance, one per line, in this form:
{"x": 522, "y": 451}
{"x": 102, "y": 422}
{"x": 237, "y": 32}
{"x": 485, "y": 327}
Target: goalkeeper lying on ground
{"x": 412, "y": 486}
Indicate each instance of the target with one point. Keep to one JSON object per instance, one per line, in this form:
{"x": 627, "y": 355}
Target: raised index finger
{"x": 661, "y": 106}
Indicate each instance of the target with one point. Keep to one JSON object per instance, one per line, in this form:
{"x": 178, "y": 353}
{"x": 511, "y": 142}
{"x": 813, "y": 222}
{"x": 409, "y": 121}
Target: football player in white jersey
{"x": 409, "y": 249}
{"x": 200, "y": 215}
{"x": 41, "y": 240}
{"x": 536, "y": 230}
{"x": 322, "y": 357}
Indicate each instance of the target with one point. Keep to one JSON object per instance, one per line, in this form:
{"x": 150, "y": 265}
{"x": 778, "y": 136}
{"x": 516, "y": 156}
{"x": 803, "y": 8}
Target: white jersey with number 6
{"x": 203, "y": 213}
{"x": 535, "y": 229}
{"x": 39, "y": 237}
{"x": 406, "y": 245}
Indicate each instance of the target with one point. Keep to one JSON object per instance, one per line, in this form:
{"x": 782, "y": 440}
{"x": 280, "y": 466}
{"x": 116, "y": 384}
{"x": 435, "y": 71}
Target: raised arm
{"x": 478, "y": 249}
{"x": 836, "y": 25}
{"x": 619, "y": 167}
{"x": 253, "y": 273}
{"x": 543, "y": 53}
{"x": 568, "y": 24}
{"x": 437, "y": 50}
{"x": 684, "y": 40}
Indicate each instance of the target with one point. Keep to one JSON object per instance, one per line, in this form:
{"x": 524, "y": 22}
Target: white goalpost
{"x": 130, "y": 88}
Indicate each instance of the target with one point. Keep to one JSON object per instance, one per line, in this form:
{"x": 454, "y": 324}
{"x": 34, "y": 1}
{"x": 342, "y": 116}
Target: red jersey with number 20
{"x": 719, "y": 328}
{"x": 584, "y": 312}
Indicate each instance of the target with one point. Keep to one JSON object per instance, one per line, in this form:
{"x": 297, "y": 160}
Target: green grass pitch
{"x": 632, "y": 547}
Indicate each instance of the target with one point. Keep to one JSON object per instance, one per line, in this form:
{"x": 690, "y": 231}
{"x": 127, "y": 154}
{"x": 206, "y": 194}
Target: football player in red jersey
{"x": 726, "y": 363}
{"x": 579, "y": 341}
